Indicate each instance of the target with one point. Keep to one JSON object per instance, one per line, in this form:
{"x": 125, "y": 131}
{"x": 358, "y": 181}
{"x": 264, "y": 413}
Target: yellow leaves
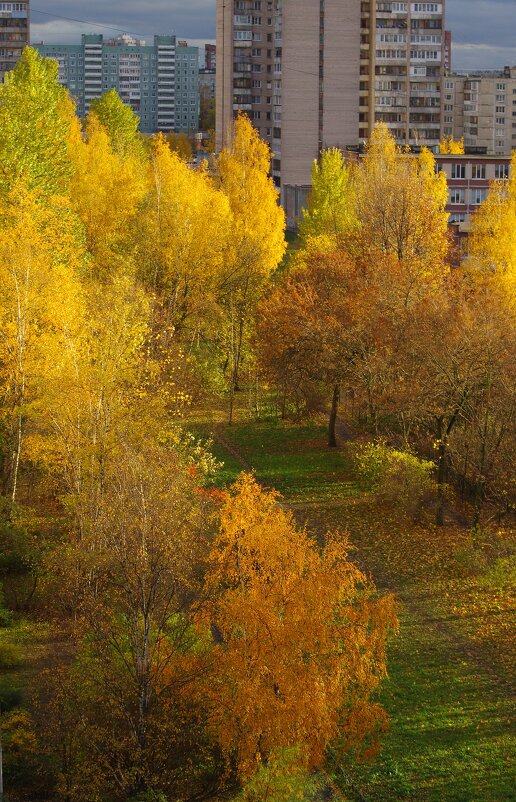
{"x": 258, "y": 221}
{"x": 183, "y": 237}
{"x": 41, "y": 300}
{"x": 106, "y": 190}
{"x": 492, "y": 242}
{"x": 180, "y": 144}
{"x": 449, "y": 145}
{"x": 401, "y": 203}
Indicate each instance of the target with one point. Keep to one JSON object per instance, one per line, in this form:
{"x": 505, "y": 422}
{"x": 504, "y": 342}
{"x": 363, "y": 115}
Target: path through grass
{"x": 448, "y": 694}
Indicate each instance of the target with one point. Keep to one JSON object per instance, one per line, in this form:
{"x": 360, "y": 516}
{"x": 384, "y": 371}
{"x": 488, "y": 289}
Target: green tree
{"x": 284, "y": 778}
{"x": 120, "y": 122}
{"x": 35, "y": 118}
{"x": 332, "y": 204}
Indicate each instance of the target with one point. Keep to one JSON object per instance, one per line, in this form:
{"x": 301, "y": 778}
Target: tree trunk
{"x": 238, "y": 354}
{"x": 332, "y": 439}
{"x": 233, "y": 370}
{"x": 481, "y": 481}
{"x": 441, "y": 473}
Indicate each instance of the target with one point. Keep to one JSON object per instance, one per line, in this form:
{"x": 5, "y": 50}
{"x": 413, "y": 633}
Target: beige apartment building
{"x": 481, "y": 107}
{"x": 313, "y": 74}
{"x": 14, "y": 34}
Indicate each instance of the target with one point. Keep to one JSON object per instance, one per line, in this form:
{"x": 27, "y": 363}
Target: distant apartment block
{"x": 14, "y": 34}
{"x": 187, "y": 89}
{"x": 469, "y": 178}
{"x": 145, "y": 76}
{"x": 320, "y": 73}
{"x": 481, "y": 107}
{"x": 207, "y": 82}
{"x": 210, "y": 56}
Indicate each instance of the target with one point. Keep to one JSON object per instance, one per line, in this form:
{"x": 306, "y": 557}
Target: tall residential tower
{"x": 319, "y": 73}
{"x": 481, "y": 107}
{"x": 14, "y": 34}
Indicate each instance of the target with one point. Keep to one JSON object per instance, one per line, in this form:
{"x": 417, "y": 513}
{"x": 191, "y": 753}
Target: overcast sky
{"x": 484, "y": 31}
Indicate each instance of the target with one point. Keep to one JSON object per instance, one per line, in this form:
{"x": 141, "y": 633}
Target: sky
{"x": 484, "y": 31}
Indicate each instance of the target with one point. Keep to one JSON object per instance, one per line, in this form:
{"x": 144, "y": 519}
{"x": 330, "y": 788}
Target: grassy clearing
{"x": 447, "y": 694}
{"x": 291, "y": 458}
{"x": 449, "y": 737}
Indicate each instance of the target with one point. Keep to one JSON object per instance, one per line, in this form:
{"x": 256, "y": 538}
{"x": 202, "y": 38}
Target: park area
{"x": 448, "y": 694}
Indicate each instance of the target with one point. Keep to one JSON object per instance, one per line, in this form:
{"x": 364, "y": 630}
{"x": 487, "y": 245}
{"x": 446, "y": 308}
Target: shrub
{"x": 283, "y": 779}
{"x": 397, "y": 476}
{"x": 11, "y": 653}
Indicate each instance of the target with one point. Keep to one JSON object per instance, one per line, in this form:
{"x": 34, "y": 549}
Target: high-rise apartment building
{"x": 187, "y": 89}
{"x": 320, "y": 73}
{"x": 14, "y": 34}
{"x": 143, "y": 75}
{"x": 481, "y": 107}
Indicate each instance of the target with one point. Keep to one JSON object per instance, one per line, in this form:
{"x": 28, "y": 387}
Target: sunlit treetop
{"x": 120, "y": 122}
{"x": 35, "y": 118}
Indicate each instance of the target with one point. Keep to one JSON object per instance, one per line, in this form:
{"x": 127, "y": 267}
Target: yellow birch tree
{"x": 492, "y": 243}
{"x": 41, "y": 256}
{"x": 258, "y": 234}
{"x": 401, "y": 202}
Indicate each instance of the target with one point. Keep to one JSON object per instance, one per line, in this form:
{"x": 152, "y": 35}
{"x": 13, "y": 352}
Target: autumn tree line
{"x": 178, "y": 642}
{"x": 197, "y": 643}
{"x": 372, "y": 321}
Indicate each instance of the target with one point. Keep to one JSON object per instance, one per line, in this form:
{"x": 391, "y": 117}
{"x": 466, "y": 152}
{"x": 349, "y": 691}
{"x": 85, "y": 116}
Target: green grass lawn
{"x": 447, "y": 693}
{"x": 449, "y": 736}
{"x": 293, "y": 459}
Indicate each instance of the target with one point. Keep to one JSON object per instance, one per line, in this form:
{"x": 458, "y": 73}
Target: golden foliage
{"x": 184, "y": 237}
{"x": 106, "y": 190}
{"x": 493, "y": 235}
{"x": 41, "y": 257}
{"x": 449, "y": 145}
{"x": 401, "y": 203}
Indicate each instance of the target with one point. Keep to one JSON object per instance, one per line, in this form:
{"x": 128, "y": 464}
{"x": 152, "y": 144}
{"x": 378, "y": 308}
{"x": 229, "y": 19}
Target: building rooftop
{"x": 506, "y": 72}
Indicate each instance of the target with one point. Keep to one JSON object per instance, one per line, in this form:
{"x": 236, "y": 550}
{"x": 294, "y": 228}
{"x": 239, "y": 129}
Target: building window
{"x": 478, "y": 171}
{"x": 501, "y": 171}
{"x": 458, "y": 171}
{"x": 478, "y": 196}
{"x": 457, "y": 197}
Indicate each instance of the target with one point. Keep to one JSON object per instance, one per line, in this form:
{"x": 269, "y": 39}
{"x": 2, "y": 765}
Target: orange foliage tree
{"x": 328, "y": 327}
{"x": 300, "y": 637}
